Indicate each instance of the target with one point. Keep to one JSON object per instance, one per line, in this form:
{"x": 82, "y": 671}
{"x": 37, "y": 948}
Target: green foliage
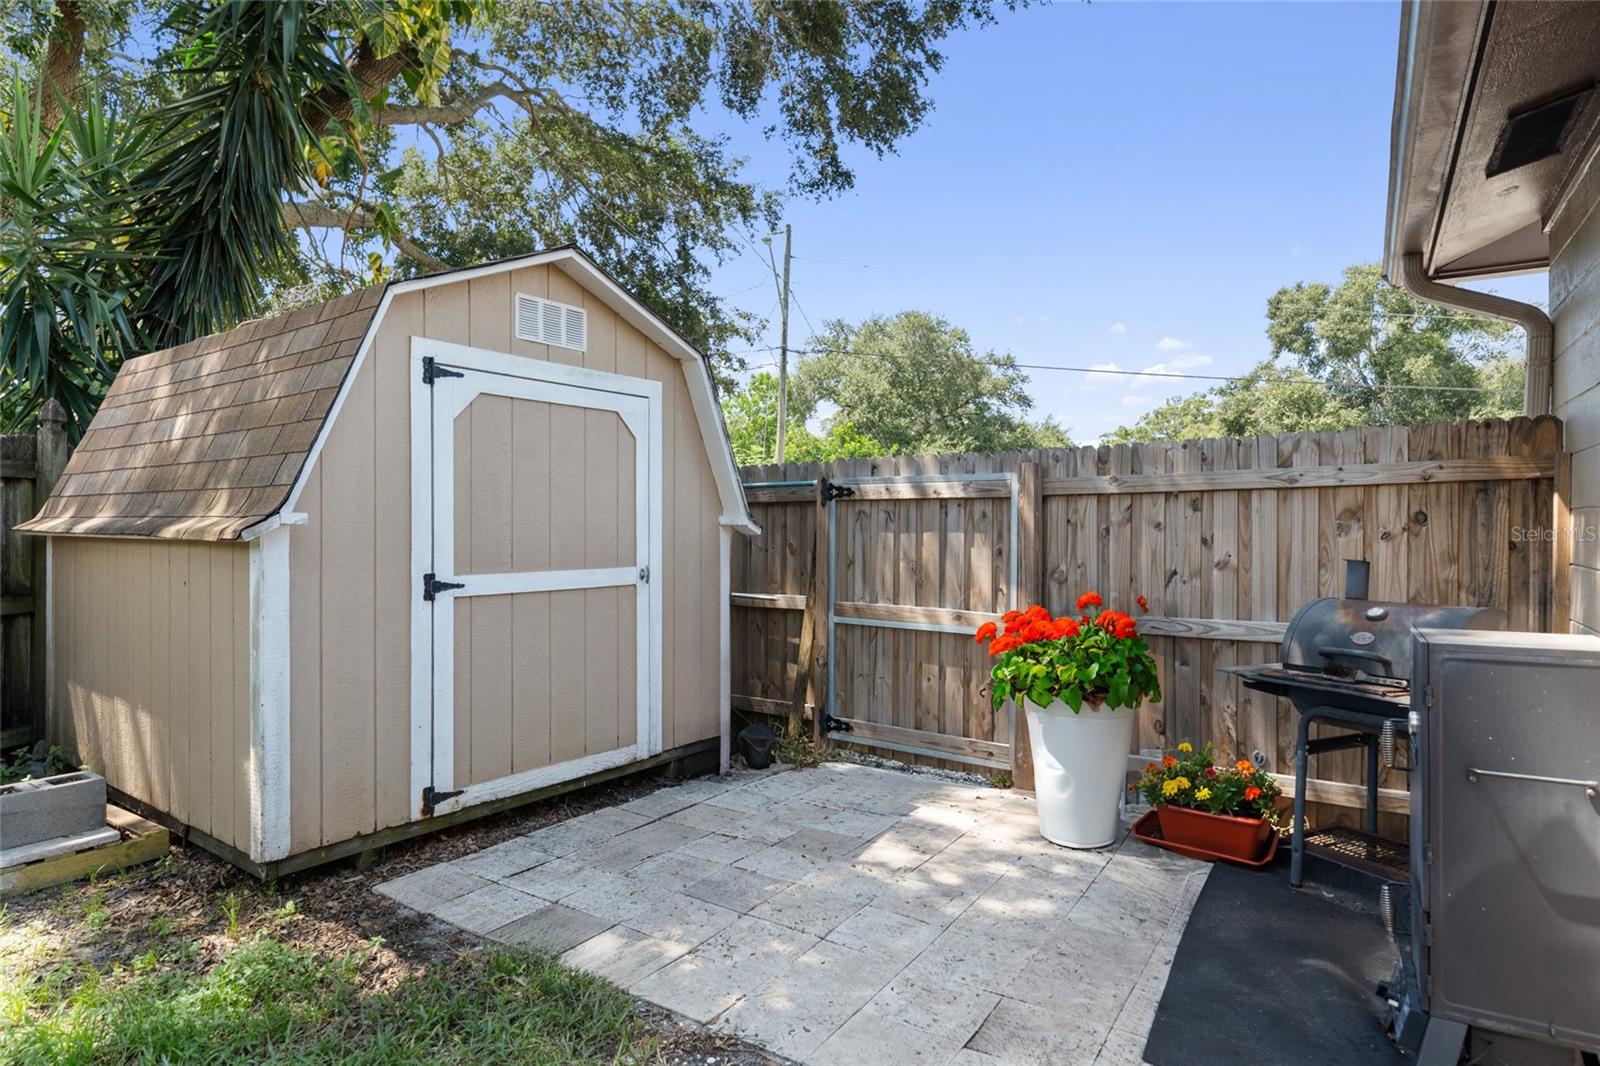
{"x": 66, "y": 275}
{"x": 1362, "y": 353}
{"x": 752, "y": 417}
{"x": 1190, "y": 778}
{"x": 531, "y": 124}
{"x": 25, "y": 765}
{"x": 914, "y": 383}
{"x": 268, "y": 1001}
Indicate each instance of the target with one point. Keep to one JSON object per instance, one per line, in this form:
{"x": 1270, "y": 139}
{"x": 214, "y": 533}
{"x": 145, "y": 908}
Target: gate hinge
{"x": 644, "y": 574}
{"x": 432, "y": 371}
{"x": 830, "y": 491}
{"x": 432, "y": 797}
{"x": 432, "y": 586}
{"x": 837, "y": 725}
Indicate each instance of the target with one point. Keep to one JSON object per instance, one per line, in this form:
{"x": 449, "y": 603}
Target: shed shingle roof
{"x": 202, "y": 441}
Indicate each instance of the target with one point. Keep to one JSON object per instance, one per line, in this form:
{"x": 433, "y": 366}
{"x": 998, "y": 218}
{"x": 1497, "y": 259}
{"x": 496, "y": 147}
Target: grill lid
{"x": 1365, "y": 640}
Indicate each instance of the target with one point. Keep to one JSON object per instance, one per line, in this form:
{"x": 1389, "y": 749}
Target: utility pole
{"x": 783, "y": 348}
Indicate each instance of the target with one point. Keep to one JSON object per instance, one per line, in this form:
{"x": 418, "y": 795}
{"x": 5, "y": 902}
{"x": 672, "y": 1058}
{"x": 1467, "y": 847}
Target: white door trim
{"x": 637, "y": 401}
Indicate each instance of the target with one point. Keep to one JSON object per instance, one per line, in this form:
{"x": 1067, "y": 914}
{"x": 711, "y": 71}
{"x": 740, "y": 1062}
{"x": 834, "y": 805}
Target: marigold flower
{"x": 1170, "y": 788}
{"x": 1252, "y": 793}
{"x": 985, "y": 632}
{"x": 1183, "y": 782}
{"x": 1169, "y": 761}
{"x": 1245, "y": 766}
{"x": 1090, "y": 599}
{"x": 1151, "y": 768}
{"x": 1186, "y": 746}
{"x": 1202, "y": 794}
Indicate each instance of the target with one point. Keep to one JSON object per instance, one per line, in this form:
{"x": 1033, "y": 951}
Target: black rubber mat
{"x": 1268, "y": 974}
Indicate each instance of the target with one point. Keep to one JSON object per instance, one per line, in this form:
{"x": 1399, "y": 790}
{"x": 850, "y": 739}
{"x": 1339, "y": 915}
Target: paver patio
{"x": 844, "y": 915}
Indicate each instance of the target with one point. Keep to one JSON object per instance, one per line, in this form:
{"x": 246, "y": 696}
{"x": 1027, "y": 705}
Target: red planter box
{"x": 1222, "y": 834}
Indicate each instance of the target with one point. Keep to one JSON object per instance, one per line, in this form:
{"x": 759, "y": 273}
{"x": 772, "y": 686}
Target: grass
{"x": 268, "y": 1001}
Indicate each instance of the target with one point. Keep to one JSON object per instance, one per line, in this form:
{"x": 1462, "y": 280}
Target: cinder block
{"x": 60, "y": 806}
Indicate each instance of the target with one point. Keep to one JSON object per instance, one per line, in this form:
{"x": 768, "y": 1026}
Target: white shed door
{"x": 543, "y": 530}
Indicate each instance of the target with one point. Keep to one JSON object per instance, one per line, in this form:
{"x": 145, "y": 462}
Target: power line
{"x": 1163, "y": 373}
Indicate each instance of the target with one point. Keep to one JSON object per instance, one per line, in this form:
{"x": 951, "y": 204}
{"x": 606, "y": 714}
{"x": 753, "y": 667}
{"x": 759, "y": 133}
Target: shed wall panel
{"x": 352, "y": 558}
{"x": 151, "y": 674}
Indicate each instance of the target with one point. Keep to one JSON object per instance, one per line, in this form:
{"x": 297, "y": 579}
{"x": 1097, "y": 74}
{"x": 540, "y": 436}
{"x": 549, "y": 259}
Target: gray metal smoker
{"x": 1504, "y": 930}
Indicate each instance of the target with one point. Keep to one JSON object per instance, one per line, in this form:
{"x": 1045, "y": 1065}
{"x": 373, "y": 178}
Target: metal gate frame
{"x": 834, "y": 621}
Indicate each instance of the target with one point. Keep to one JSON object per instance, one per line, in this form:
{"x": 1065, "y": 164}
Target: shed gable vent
{"x": 547, "y": 322}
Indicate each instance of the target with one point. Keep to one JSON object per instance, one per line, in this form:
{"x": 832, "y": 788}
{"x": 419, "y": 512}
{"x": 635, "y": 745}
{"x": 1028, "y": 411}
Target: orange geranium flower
{"x": 1144, "y": 604}
{"x": 1252, "y": 793}
{"x": 1169, "y": 761}
{"x": 1125, "y": 628}
{"x": 1066, "y": 627}
{"x": 985, "y": 632}
{"x": 1090, "y": 599}
{"x": 1003, "y": 643}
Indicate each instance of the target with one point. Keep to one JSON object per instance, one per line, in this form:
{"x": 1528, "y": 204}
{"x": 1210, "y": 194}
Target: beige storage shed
{"x": 325, "y": 580}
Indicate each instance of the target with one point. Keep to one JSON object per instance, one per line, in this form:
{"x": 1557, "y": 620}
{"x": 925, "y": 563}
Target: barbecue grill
{"x": 1349, "y": 661}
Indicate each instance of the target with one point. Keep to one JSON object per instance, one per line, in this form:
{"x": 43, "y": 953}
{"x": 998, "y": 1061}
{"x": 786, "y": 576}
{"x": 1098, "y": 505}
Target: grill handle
{"x": 1355, "y": 653}
{"x": 1590, "y": 788}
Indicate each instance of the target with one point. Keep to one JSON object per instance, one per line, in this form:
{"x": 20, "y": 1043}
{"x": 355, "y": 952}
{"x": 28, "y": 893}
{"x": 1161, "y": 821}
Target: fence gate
{"x": 916, "y": 564}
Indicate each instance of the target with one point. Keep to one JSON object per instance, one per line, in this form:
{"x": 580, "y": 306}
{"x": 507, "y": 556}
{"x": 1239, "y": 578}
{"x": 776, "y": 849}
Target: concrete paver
{"x": 844, "y": 914}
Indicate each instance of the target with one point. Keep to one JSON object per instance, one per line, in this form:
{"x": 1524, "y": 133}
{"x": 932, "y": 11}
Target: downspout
{"x": 1534, "y": 322}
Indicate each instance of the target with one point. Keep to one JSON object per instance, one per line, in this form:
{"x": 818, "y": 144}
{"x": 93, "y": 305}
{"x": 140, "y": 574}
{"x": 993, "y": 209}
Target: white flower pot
{"x": 1080, "y": 764}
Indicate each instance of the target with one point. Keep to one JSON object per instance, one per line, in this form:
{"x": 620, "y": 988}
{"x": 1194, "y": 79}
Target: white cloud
{"x": 1119, "y": 328}
{"x": 1093, "y": 378}
{"x": 1163, "y": 373}
{"x": 1171, "y": 344}
{"x": 1137, "y": 401}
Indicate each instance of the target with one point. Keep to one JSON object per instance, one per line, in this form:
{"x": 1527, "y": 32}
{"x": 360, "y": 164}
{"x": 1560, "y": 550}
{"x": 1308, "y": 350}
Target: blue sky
{"x": 1112, "y": 184}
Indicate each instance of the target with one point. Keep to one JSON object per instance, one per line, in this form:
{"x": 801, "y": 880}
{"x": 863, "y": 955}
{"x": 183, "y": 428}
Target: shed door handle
{"x": 1589, "y": 787}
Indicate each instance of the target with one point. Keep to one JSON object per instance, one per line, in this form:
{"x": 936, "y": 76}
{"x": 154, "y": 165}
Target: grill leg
{"x": 1442, "y": 1043}
{"x": 1297, "y": 847}
{"x": 1372, "y": 785}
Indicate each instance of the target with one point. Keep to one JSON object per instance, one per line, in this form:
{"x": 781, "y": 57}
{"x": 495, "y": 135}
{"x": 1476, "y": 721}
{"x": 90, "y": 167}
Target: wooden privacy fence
{"x": 29, "y": 466}
{"x": 1225, "y": 538}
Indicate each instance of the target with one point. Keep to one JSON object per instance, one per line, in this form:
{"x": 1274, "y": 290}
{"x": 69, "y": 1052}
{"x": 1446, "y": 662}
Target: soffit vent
{"x": 547, "y": 322}
{"x": 1538, "y": 132}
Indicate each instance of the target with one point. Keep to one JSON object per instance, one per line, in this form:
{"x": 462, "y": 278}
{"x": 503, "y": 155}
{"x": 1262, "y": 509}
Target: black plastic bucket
{"x": 756, "y": 744}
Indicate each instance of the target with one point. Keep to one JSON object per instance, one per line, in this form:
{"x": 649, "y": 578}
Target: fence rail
{"x": 1225, "y": 539}
{"x": 29, "y": 466}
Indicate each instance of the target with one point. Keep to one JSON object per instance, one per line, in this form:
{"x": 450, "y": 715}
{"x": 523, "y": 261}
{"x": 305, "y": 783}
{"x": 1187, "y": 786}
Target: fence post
{"x": 819, "y": 607}
{"x": 50, "y": 458}
{"x": 1030, "y": 589}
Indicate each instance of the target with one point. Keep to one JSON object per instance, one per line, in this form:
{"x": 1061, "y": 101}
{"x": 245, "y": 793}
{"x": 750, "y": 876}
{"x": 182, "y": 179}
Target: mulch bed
{"x": 332, "y": 910}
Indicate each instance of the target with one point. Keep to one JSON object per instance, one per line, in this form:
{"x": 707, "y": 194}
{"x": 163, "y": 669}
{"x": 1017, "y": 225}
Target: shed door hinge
{"x": 433, "y": 371}
{"x": 432, "y": 586}
{"x": 432, "y": 797}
